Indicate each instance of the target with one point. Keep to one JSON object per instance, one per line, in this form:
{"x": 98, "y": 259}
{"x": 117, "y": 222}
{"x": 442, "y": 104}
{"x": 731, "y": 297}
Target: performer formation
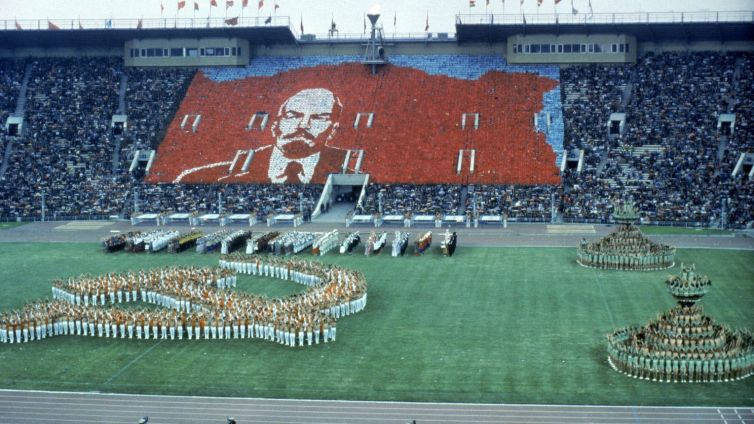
{"x": 625, "y": 249}
{"x": 197, "y": 303}
{"x": 683, "y": 344}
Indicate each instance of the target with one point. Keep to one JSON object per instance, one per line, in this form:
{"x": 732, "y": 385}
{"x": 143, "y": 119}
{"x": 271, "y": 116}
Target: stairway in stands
{"x": 336, "y": 214}
{"x": 465, "y": 189}
{"x": 121, "y": 111}
{"x": 20, "y": 108}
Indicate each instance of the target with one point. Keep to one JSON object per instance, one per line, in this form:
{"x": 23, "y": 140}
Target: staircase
{"x": 628, "y": 90}
{"x": 20, "y": 110}
{"x": 122, "y": 94}
{"x": 21, "y": 100}
{"x": 721, "y": 146}
{"x": 602, "y": 163}
{"x": 336, "y": 214}
{"x": 116, "y": 154}
{"x": 465, "y": 190}
{"x": 121, "y": 111}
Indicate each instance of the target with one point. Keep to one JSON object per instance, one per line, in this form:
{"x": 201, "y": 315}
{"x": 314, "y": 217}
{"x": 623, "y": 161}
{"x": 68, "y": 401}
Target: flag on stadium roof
{"x": 52, "y": 26}
{"x": 232, "y": 21}
{"x": 181, "y": 4}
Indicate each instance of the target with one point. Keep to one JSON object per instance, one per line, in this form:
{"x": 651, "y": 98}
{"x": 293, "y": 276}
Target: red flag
{"x": 426, "y": 24}
{"x": 472, "y": 3}
{"x": 140, "y": 24}
{"x": 245, "y": 3}
{"x": 228, "y": 3}
{"x": 52, "y": 26}
{"x": 232, "y": 21}
{"x": 18, "y": 26}
{"x": 196, "y": 6}
{"x": 261, "y": 4}
{"x": 539, "y": 2}
{"x": 213, "y": 3}
{"x": 557, "y": 1}
{"x": 181, "y": 4}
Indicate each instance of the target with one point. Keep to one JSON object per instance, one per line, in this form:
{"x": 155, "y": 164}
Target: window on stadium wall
{"x": 319, "y": 107}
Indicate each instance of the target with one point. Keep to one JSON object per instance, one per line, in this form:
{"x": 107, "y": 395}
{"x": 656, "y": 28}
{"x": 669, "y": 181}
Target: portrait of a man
{"x": 304, "y": 125}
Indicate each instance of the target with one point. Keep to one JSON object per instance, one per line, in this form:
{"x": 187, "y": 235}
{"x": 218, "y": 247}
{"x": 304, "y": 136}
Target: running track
{"x": 19, "y": 407}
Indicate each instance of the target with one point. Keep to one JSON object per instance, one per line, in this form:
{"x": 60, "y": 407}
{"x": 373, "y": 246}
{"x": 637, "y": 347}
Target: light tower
{"x": 375, "y": 52}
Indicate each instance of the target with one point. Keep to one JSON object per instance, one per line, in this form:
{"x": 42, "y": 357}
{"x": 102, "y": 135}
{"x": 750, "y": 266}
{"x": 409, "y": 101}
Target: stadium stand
{"x": 671, "y": 158}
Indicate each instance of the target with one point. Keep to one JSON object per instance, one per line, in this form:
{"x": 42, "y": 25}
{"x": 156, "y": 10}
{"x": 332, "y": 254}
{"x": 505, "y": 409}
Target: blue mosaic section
{"x": 554, "y": 133}
{"x": 469, "y": 67}
{"x": 456, "y": 66}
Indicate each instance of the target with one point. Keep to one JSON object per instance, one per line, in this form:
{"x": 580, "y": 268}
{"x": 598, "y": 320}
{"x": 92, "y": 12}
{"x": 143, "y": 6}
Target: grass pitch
{"x": 8, "y": 225}
{"x": 498, "y": 325}
{"x": 651, "y": 229}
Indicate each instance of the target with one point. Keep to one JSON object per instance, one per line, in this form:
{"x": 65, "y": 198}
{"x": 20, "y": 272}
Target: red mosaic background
{"x": 416, "y": 133}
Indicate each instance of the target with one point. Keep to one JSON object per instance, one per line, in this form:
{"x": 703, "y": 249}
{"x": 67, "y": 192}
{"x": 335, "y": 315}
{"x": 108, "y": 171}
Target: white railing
{"x": 606, "y": 18}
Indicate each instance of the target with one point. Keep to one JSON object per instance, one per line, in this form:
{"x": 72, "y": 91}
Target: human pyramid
{"x": 626, "y": 249}
{"x": 683, "y": 344}
{"x": 198, "y": 303}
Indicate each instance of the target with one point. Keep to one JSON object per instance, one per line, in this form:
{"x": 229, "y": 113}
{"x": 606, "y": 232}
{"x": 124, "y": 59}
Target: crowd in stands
{"x": 673, "y": 103}
{"x": 399, "y": 199}
{"x": 671, "y": 159}
{"x": 68, "y": 148}
{"x": 262, "y": 199}
{"x": 11, "y": 74}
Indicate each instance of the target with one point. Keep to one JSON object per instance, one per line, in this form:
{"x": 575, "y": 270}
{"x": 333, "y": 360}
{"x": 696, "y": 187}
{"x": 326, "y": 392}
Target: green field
{"x": 650, "y": 229}
{"x": 7, "y": 225}
{"x": 497, "y": 325}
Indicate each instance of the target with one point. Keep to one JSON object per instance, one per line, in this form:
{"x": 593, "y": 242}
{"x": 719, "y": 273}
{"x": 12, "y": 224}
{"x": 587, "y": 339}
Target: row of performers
{"x": 57, "y": 318}
{"x": 644, "y": 261}
{"x": 697, "y": 365}
{"x": 174, "y": 241}
{"x": 376, "y": 242}
{"x": 197, "y": 297}
{"x": 273, "y": 242}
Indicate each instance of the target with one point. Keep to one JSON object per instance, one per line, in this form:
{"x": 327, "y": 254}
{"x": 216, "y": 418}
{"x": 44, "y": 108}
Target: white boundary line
{"x": 96, "y": 393}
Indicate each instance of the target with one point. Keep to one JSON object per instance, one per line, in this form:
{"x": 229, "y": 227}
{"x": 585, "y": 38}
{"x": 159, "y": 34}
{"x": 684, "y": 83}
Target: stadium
{"x": 538, "y": 207}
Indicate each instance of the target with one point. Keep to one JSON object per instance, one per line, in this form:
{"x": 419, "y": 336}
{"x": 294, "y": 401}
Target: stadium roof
{"x": 114, "y": 33}
{"x": 686, "y": 26}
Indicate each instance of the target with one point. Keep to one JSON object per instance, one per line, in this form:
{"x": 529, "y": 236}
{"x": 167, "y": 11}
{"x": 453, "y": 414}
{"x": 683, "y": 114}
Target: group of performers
{"x": 625, "y": 249}
{"x": 198, "y": 303}
{"x": 683, "y": 344}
